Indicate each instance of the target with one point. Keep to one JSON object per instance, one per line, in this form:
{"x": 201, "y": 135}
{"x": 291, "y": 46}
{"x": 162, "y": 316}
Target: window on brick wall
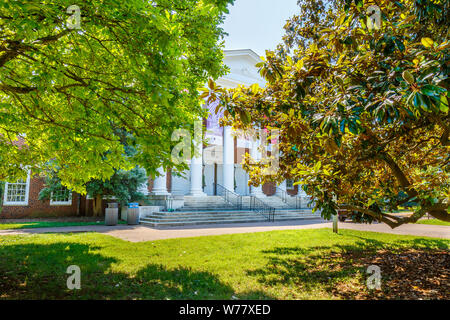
{"x": 290, "y": 184}
{"x": 61, "y": 197}
{"x": 16, "y": 194}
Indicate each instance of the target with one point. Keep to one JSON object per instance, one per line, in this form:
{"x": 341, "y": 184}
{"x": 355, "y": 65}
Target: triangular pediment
{"x": 242, "y": 69}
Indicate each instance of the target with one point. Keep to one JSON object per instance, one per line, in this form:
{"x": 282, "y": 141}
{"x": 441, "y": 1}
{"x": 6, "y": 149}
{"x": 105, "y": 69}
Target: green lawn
{"x": 435, "y": 222}
{"x": 50, "y": 224}
{"x": 294, "y": 264}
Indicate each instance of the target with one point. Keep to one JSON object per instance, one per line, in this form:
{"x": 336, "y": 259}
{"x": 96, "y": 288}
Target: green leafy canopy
{"x": 133, "y": 65}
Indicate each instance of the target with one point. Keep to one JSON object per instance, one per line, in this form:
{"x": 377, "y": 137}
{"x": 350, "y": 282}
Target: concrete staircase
{"x": 218, "y": 203}
{"x": 272, "y": 201}
{"x": 205, "y": 203}
{"x": 215, "y": 210}
{"x": 191, "y": 218}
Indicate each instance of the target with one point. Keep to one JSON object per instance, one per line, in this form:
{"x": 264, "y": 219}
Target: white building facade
{"x": 220, "y": 162}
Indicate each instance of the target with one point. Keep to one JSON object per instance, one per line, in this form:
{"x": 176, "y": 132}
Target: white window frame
{"x": 17, "y": 203}
{"x": 292, "y": 187}
{"x": 61, "y": 203}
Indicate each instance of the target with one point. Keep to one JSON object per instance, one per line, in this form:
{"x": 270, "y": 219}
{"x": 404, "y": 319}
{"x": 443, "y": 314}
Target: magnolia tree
{"x": 359, "y": 93}
{"x": 73, "y": 72}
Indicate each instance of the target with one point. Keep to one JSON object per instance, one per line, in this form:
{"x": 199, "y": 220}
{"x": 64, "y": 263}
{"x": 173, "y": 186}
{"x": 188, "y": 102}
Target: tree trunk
{"x": 335, "y": 223}
{"x": 97, "y": 205}
{"x": 78, "y": 204}
{"x": 86, "y": 206}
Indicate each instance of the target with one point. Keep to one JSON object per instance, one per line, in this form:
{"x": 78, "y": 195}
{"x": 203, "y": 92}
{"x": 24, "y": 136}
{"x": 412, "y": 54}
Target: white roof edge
{"x": 242, "y": 52}
{"x": 238, "y": 79}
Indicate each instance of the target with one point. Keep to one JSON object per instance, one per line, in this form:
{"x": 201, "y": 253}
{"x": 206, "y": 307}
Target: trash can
{"x": 133, "y": 213}
{"x": 112, "y": 214}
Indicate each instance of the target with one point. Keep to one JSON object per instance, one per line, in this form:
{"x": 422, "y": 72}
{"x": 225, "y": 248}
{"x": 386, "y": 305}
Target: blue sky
{"x": 257, "y": 24}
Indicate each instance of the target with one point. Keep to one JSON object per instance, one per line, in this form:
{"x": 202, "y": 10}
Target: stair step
{"x": 186, "y": 216}
{"x": 222, "y": 211}
{"x": 242, "y": 219}
{"x": 199, "y": 221}
{"x": 222, "y": 221}
{"x": 217, "y": 215}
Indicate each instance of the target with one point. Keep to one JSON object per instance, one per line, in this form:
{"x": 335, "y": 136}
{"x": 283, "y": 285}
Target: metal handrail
{"x": 256, "y": 204}
{"x": 262, "y": 208}
{"x": 282, "y": 194}
{"x": 298, "y": 202}
{"x": 231, "y": 197}
{"x": 169, "y": 203}
{"x": 285, "y": 196}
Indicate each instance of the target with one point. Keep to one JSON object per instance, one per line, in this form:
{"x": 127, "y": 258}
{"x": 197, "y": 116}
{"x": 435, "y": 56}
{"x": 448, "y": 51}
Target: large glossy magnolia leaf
{"x": 427, "y": 42}
{"x": 408, "y": 77}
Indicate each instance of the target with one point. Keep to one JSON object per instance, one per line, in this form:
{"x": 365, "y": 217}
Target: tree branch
{"x": 398, "y": 173}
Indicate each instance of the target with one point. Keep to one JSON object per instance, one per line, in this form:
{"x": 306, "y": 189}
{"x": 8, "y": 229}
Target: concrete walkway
{"x": 144, "y": 233}
{"x": 424, "y": 230}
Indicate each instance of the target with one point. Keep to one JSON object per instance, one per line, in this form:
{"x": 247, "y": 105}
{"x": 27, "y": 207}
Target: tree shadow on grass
{"x": 38, "y": 271}
{"x": 340, "y": 271}
{"x": 372, "y": 244}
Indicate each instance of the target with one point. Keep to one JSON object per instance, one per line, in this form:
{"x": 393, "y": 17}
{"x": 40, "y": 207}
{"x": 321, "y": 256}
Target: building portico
{"x": 219, "y": 163}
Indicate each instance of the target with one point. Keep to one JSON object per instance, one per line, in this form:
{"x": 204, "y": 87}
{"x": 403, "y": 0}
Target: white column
{"x": 228, "y": 159}
{"x": 281, "y": 187}
{"x": 256, "y": 156}
{"x": 197, "y": 166}
{"x": 160, "y": 183}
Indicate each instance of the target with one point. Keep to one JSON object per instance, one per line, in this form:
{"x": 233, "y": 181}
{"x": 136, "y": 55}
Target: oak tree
{"x": 71, "y": 76}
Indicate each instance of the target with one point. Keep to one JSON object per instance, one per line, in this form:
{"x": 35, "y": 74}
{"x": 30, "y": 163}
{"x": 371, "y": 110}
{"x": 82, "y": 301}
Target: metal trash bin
{"x": 133, "y": 213}
{"x": 112, "y": 214}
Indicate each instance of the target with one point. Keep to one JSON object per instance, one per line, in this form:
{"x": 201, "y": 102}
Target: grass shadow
{"x": 38, "y": 271}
